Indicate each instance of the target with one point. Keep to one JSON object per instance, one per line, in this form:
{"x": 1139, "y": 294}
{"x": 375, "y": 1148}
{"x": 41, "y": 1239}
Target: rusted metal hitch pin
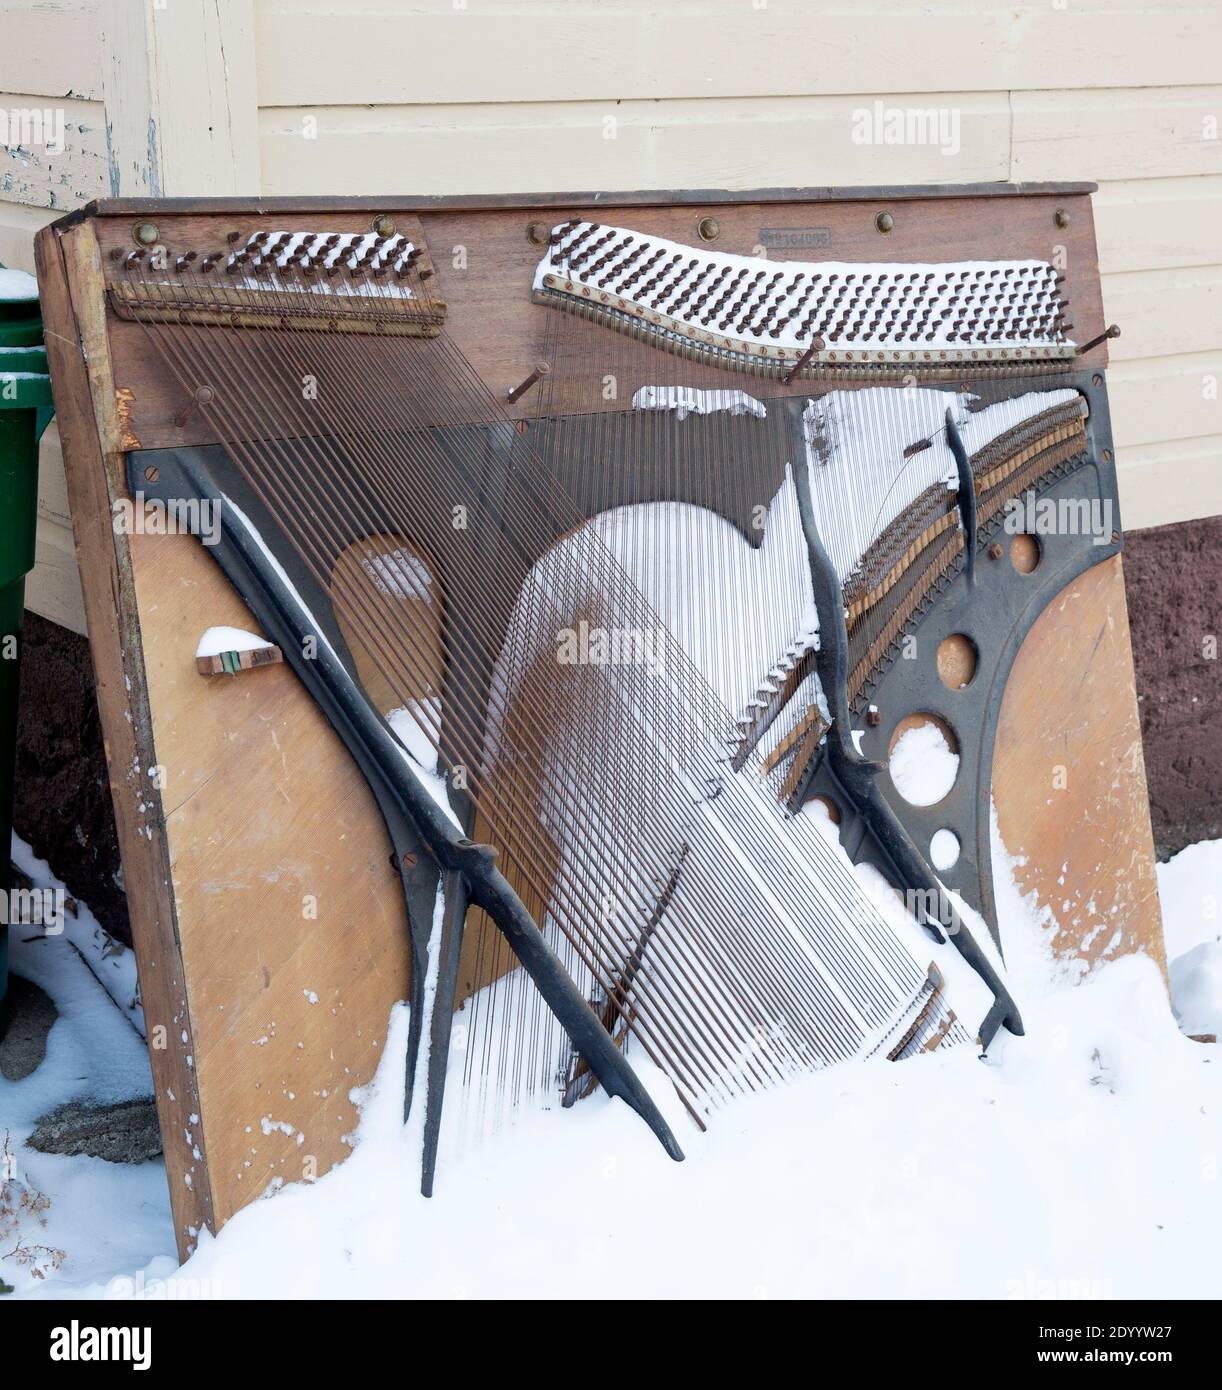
{"x": 203, "y": 396}
{"x": 517, "y": 392}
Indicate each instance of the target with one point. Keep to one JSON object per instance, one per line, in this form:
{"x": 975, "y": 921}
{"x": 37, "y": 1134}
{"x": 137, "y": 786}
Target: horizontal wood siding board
{"x": 1152, "y": 224}
{"x": 1155, "y": 400}
{"x": 1164, "y": 312}
{"x": 1161, "y": 130}
{"x": 468, "y": 149}
{"x": 61, "y": 177}
{"x": 311, "y": 53}
{"x": 50, "y": 48}
{"x": 1170, "y": 482}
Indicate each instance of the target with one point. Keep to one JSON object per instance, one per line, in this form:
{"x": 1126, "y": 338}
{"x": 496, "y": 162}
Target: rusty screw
{"x": 884, "y": 222}
{"x": 1061, "y": 217}
{"x": 383, "y": 225}
{"x": 995, "y": 551}
{"x": 873, "y": 718}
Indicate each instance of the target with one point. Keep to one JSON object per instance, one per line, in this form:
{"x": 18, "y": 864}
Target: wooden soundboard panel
{"x": 1069, "y": 776}
{"x": 269, "y": 924}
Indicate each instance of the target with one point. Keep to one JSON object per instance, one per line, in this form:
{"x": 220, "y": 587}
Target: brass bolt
{"x": 884, "y": 222}
{"x": 708, "y": 229}
{"x": 151, "y": 474}
{"x": 383, "y": 225}
{"x": 146, "y": 234}
{"x": 1061, "y": 217}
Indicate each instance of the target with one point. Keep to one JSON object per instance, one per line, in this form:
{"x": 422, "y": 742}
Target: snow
{"x": 944, "y": 849}
{"x": 17, "y": 285}
{"x": 688, "y": 400}
{"x": 229, "y": 639}
{"x": 411, "y": 727}
{"x": 1190, "y": 890}
{"x": 923, "y": 767}
{"x": 700, "y": 576}
{"x": 1196, "y": 989}
{"x": 106, "y": 1217}
{"x": 400, "y": 573}
{"x": 108, "y": 960}
{"x": 1074, "y": 1163}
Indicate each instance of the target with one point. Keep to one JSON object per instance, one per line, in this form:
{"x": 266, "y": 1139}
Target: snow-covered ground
{"x": 1190, "y": 890}
{"x": 102, "y": 1217}
{"x": 1080, "y": 1161}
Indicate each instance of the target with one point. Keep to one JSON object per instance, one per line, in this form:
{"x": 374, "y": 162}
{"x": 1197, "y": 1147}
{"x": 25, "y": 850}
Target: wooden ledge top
{"x": 135, "y": 207}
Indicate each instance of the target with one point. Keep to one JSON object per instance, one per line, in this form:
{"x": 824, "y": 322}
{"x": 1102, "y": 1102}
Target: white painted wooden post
{"x": 178, "y": 84}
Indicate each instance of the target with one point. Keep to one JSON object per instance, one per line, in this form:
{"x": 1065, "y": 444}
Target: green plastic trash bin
{"x": 25, "y": 411}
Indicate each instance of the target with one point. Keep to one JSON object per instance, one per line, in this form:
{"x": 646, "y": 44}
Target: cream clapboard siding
{"x": 158, "y": 98}
{"x": 424, "y": 96}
